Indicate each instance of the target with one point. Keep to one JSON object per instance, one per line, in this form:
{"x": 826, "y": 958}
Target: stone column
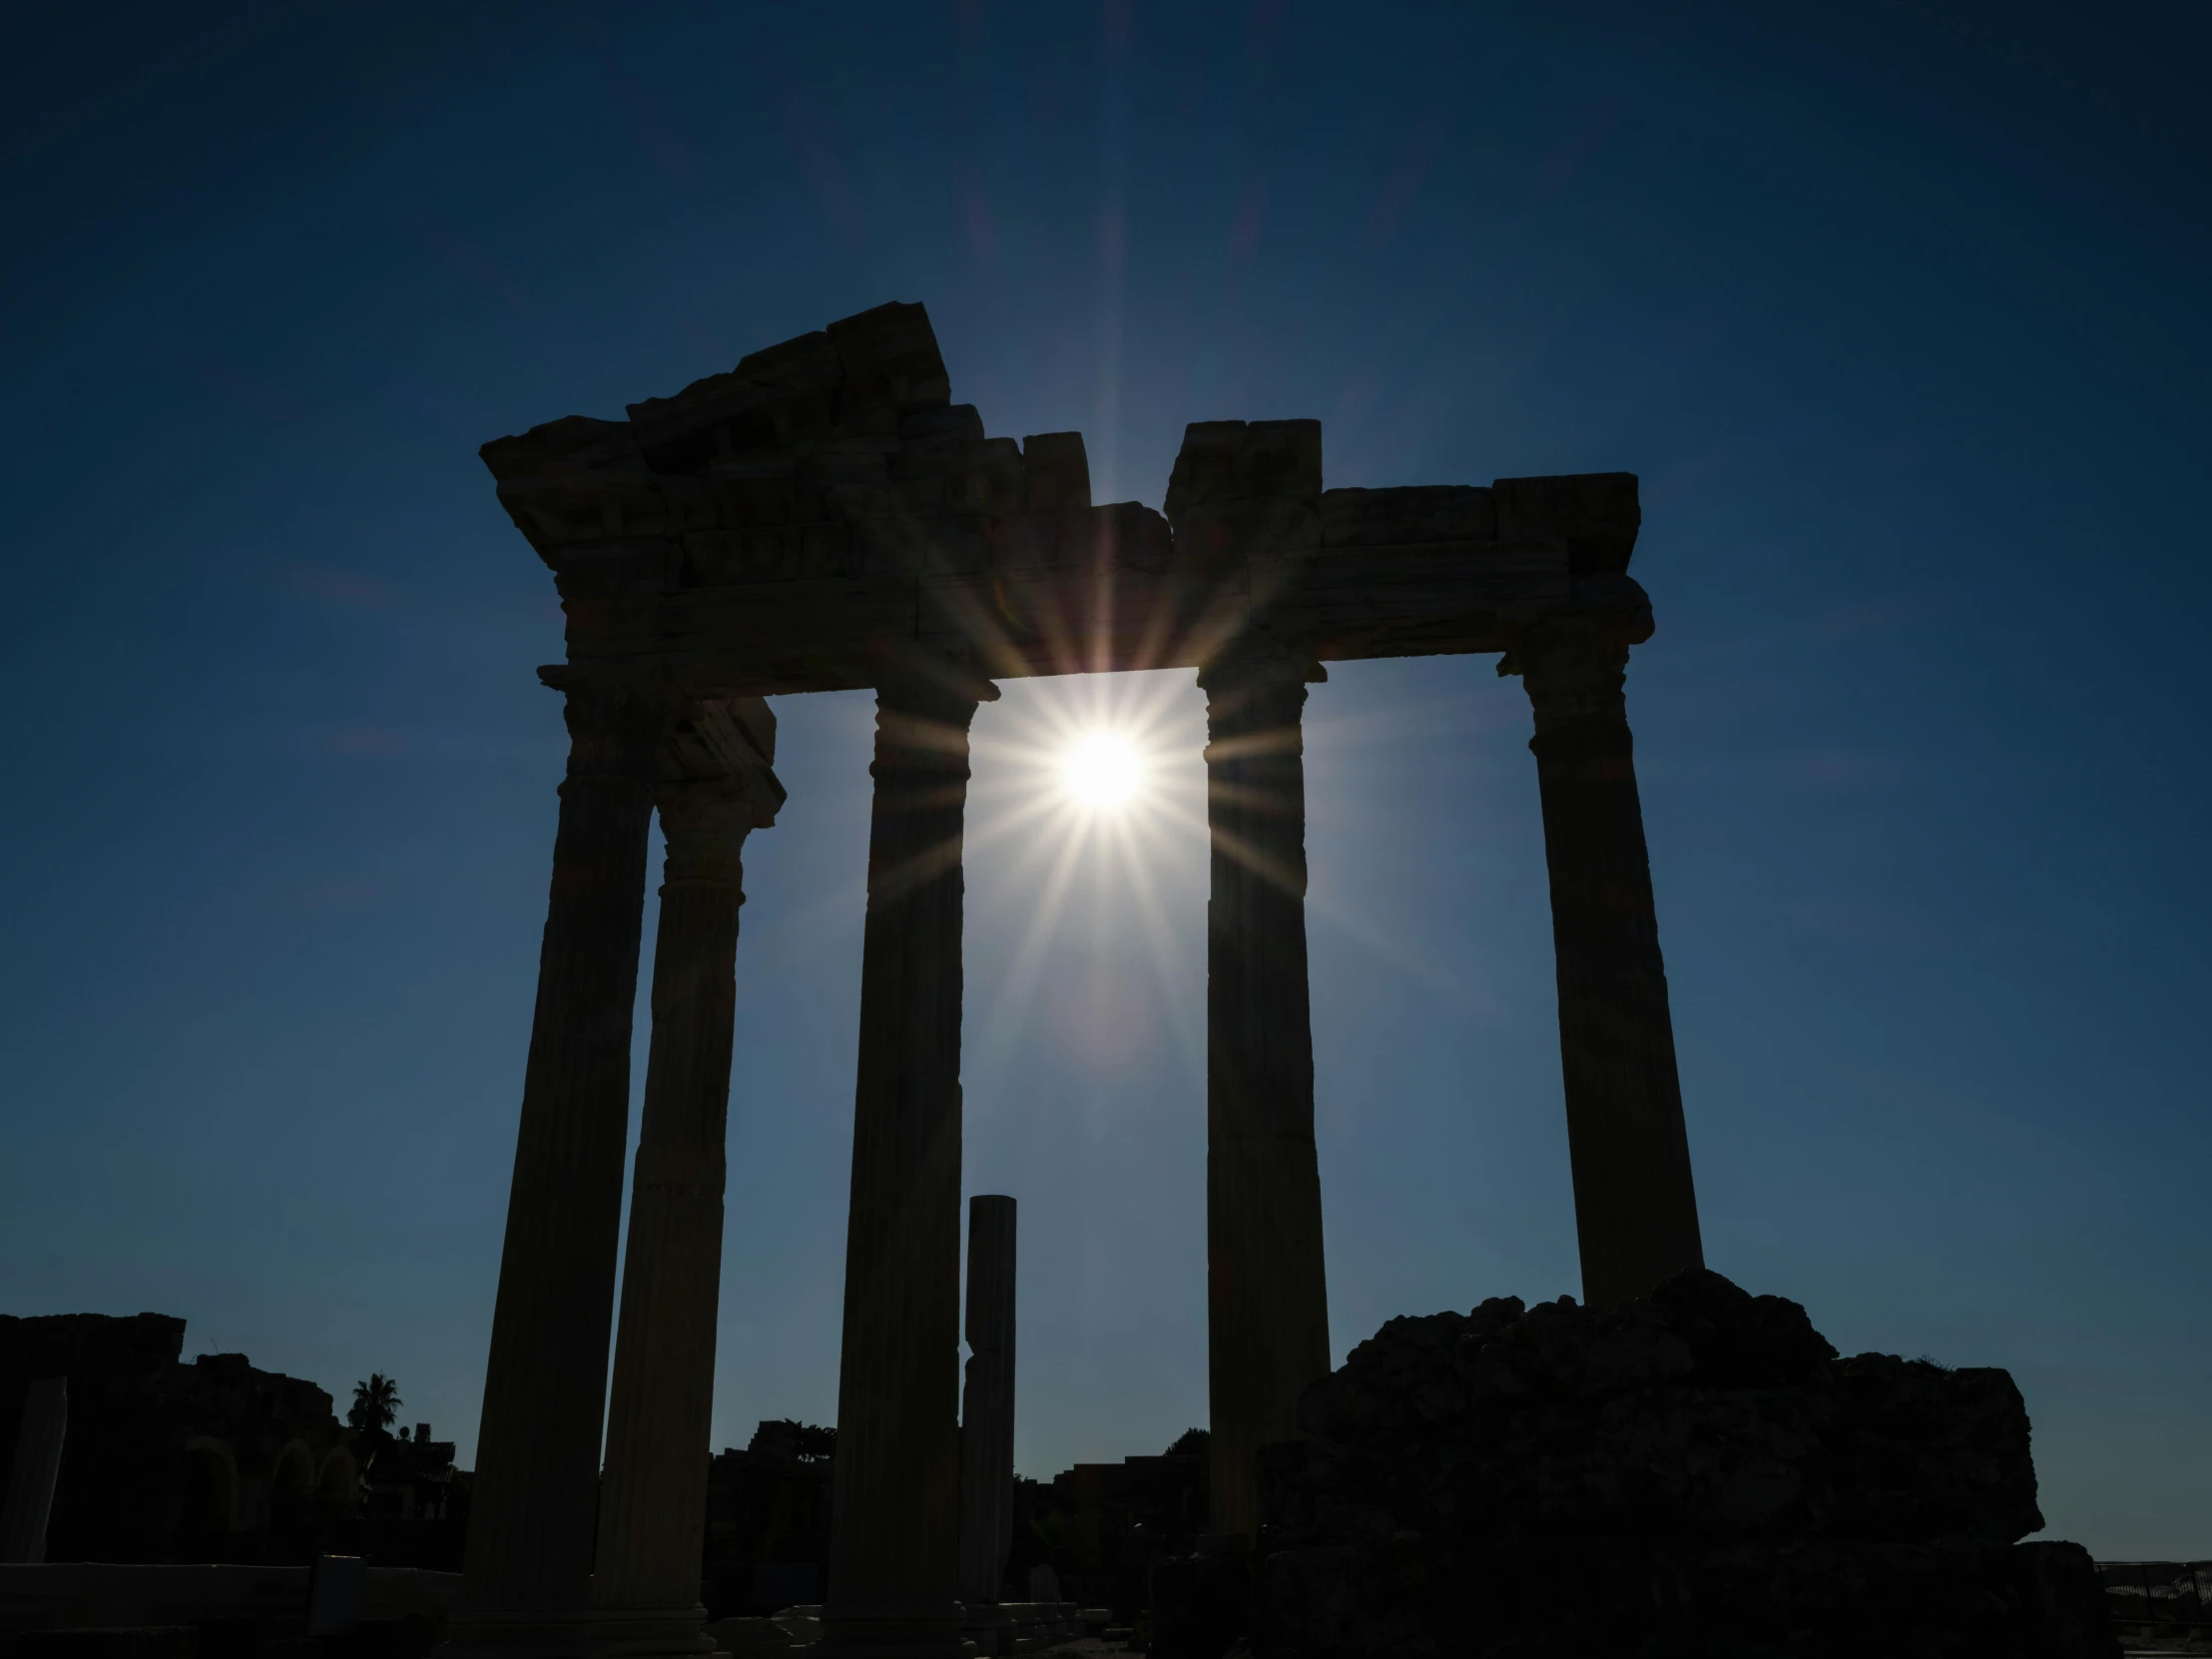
{"x": 38, "y": 1460}
{"x": 893, "y": 1556}
{"x": 1265, "y": 1288}
{"x": 527, "y": 1577}
{"x": 653, "y": 1498}
{"x": 987, "y": 1420}
{"x": 1635, "y": 1209}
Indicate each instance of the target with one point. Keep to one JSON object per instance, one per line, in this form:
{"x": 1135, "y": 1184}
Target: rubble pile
{"x": 1691, "y": 1473}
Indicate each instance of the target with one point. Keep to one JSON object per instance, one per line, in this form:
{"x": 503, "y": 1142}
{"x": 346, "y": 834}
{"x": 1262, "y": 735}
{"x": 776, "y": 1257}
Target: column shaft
{"x": 893, "y": 1567}
{"x": 987, "y": 1404}
{"x": 1635, "y": 1207}
{"x": 528, "y": 1569}
{"x": 38, "y": 1460}
{"x": 1267, "y": 1290}
{"x": 653, "y": 1504}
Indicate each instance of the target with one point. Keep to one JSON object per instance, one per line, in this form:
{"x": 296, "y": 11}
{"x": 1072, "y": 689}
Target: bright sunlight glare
{"x": 1101, "y": 770}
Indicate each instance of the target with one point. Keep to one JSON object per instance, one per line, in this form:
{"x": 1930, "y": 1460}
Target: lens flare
{"x": 1101, "y": 770}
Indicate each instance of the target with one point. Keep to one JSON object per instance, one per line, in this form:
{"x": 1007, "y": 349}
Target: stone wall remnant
{"x": 168, "y": 1461}
{"x": 1692, "y": 1472}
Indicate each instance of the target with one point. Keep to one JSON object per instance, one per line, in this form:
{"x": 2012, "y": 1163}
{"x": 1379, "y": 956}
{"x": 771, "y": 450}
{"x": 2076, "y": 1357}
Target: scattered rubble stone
{"x": 1691, "y": 1473}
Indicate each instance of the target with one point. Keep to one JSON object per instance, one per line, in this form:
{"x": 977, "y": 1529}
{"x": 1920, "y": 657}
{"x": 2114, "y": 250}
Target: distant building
{"x": 216, "y": 1460}
{"x": 167, "y": 1462}
{"x": 767, "y": 1520}
{"x": 405, "y": 1477}
{"x": 1102, "y": 1527}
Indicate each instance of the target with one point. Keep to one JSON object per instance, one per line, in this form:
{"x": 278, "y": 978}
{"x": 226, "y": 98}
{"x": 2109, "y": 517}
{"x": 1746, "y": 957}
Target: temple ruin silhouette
{"x": 824, "y": 517}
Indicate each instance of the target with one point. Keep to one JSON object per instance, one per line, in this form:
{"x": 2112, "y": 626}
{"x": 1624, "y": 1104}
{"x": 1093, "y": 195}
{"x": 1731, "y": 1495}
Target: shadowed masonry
{"x": 824, "y": 517}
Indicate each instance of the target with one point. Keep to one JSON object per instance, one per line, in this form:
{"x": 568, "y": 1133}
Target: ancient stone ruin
{"x": 1690, "y": 1472}
{"x": 124, "y": 1451}
{"x": 824, "y": 517}
{"x": 1677, "y": 1467}
{"x": 153, "y": 1458}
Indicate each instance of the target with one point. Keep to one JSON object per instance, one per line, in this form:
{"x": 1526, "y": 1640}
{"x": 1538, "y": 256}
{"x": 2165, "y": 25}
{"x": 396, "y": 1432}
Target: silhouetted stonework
{"x": 215, "y": 1461}
{"x": 1102, "y": 1527}
{"x": 767, "y": 1520}
{"x": 1690, "y": 1472}
{"x": 824, "y": 517}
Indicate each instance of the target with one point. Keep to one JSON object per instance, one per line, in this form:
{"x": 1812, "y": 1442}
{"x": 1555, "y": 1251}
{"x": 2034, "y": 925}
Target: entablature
{"x": 824, "y": 507}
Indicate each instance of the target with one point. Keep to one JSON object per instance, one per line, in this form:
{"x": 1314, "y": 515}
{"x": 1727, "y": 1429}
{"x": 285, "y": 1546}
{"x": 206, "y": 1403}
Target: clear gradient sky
{"x": 1899, "y": 312}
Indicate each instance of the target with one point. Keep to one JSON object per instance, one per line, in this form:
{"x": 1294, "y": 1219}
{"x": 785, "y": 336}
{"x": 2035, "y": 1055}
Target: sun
{"x": 1101, "y": 770}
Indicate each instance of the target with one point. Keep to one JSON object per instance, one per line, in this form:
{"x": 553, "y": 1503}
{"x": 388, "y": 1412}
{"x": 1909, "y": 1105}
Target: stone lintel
{"x": 831, "y": 633}
{"x": 786, "y": 526}
{"x": 729, "y": 740}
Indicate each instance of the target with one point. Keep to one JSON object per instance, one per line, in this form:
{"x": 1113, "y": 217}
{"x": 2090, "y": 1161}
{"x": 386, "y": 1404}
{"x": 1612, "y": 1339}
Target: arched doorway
{"x": 208, "y": 1510}
{"x": 292, "y": 1502}
{"x": 338, "y": 1487}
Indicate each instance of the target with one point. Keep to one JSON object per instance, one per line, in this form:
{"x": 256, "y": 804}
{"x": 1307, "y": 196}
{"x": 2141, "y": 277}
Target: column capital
{"x": 1260, "y": 661}
{"x": 617, "y": 721}
{"x": 1575, "y": 673}
{"x": 928, "y": 685}
{"x": 923, "y": 708}
{"x": 1255, "y": 699}
{"x": 705, "y": 822}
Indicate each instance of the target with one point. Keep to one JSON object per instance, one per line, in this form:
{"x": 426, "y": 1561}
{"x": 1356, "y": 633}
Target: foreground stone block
{"x": 748, "y": 1638}
{"x": 1692, "y": 1472}
{"x": 1201, "y": 1604}
{"x": 1597, "y": 1595}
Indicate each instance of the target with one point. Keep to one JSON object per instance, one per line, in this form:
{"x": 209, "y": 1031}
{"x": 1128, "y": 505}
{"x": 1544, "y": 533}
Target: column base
{"x": 653, "y": 1634}
{"x": 587, "y": 1633}
{"x": 895, "y": 1633}
{"x": 991, "y": 1628}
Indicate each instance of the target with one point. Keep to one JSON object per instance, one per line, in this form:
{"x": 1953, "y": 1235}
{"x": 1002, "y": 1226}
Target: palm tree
{"x": 375, "y": 1402}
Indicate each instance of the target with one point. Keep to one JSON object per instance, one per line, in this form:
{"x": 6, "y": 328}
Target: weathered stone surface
{"x": 1594, "y": 1598}
{"x": 1266, "y": 1296}
{"x": 1636, "y": 1202}
{"x": 987, "y": 1403}
{"x": 894, "y": 1540}
{"x": 1594, "y": 513}
{"x": 1059, "y": 470}
{"x": 653, "y": 1492}
{"x": 824, "y": 517}
{"x": 138, "y": 1477}
{"x": 782, "y": 526}
{"x": 30, "y": 1479}
{"x": 1237, "y": 460}
{"x": 538, "y": 1494}
{"x": 1695, "y": 1468}
{"x": 1407, "y": 517}
{"x": 537, "y": 1471}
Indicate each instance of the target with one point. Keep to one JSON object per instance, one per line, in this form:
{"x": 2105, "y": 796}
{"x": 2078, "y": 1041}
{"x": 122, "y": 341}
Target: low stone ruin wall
{"x": 1694, "y": 1473}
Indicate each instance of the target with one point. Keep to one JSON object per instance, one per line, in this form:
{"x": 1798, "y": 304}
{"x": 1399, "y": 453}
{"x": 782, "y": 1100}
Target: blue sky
{"x": 1899, "y": 312}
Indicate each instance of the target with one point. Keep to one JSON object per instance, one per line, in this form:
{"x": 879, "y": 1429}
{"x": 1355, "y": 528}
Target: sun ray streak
{"x": 1080, "y": 791}
{"x": 1007, "y": 1017}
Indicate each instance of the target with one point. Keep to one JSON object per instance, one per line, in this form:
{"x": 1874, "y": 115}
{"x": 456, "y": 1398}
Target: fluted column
{"x": 1265, "y": 1286}
{"x": 527, "y": 1579}
{"x": 987, "y": 1418}
{"x": 1635, "y": 1208}
{"x": 893, "y": 1559}
{"x": 652, "y": 1500}
{"x": 38, "y": 1460}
